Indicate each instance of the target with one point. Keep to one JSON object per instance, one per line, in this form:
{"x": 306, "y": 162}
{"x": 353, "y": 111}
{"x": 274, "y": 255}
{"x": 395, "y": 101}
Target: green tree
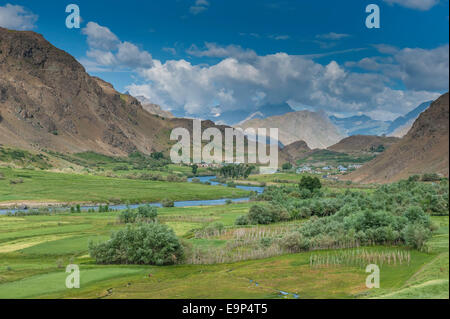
{"x": 311, "y": 183}
{"x": 194, "y": 169}
{"x": 148, "y": 244}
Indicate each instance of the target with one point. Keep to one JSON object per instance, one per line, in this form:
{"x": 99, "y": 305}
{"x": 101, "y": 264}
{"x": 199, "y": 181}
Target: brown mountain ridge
{"x": 48, "y": 101}
{"x": 425, "y": 149}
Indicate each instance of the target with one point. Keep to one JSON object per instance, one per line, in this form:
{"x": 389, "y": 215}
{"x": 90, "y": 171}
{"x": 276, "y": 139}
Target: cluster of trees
{"x": 236, "y": 171}
{"x": 142, "y": 214}
{"x": 264, "y": 214}
{"x": 144, "y": 243}
{"x": 397, "y": 213}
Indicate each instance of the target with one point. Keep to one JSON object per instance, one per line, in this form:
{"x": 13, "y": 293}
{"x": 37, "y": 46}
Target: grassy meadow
{"x": 22, "y": 185}
{"x": 34, "y": 251}
{"x": 224, "y": 258}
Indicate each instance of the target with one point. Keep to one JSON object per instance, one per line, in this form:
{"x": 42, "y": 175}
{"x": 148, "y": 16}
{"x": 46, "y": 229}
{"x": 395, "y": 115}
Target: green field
{"x": 18, "y": 185}
{"x": 34, "y": 251}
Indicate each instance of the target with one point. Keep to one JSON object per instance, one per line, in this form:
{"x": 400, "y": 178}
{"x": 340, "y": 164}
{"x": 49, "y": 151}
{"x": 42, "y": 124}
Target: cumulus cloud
{"x": 99, "y": 37}
{"x": 199, "y": 7}
{"x": 106, "y": 50}
{"x": 17, "y": 18}
{"x": 419, "y": 69}
{"x": 422, "y": 5}
{"x": 236, "y": 83}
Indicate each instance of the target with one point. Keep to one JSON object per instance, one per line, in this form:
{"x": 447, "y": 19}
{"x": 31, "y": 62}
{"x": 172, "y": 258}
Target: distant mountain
{"x": 315, "y": 128}
{"x": 153, "y": 108}
{"x": 360, "y": 125}
{"x": 294, "y": 151}
{"x": 357, "y": 144}
{"x": 238, "y": 116}
{"x": 402, "y": 122}
{"x": 425, "y": 149}
{"x": 365, "y": 125}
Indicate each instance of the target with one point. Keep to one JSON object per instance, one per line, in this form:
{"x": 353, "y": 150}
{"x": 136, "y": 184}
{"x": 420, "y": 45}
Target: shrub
{"x": 167, "y": 203}
{"x": 266, "y": 241}
{"x": 143, "y": 214}
{"x": 231, "y": 184}
{"x": 16, "y": 181}
{"x": 287, "y": 166}
{"x": 432, "y": 177}
{"x": 310, "y": 182}
{"x": 211, "y": 229}
{"x": 260, "y": 214}
{"x": 414, "y": 178}
{"x": 295, "y": 242}
{"x": 242, "y": 220}
{"x": 415, "y": 235}
{"x": 149, "y": 244}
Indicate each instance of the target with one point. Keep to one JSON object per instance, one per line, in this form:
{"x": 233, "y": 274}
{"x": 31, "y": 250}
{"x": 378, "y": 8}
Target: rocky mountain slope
{"x": 294, "y": 151}
{"x": 314, "y": 128}
{"x": 363, "y": 143}
{"x": 154, "y": 108}
{"x": 425, "y": 149}
{"x": 48, "y": 101}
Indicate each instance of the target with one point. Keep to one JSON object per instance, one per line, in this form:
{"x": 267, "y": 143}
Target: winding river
{"x": 189, "y": 203}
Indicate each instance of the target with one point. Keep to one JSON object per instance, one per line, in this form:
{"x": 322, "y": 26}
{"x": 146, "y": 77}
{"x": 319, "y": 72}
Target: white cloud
{"x": 236, "y": 83}
{"x": 280, "y": 37}
{"x": 17, "y": 18}
{"x": 419, "y": 69}
{"x": 106, "y": 50}
{"x": 99, "y": 37}
{"x": 199, "y": 7}
{"x": 213, "y": 50}
{"x": 172, "y": 51}
{"x": 424, "y": 69}
{"x": 422, "y": 5}
{"x": 333, "y": 36}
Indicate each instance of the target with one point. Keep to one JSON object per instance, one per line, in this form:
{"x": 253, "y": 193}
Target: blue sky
{"x": 205, "y": 57}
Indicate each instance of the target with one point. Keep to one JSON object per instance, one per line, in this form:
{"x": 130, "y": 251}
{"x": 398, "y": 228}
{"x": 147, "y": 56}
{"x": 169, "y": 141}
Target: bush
{"x": 286, "y": 166}
{"x": 211, "y": 229}
{"x": 242, "y": 220}
{"x": 432, "y": 177}
{"x": 143, "y": 214}
{"x": 149, "y": 244}
{"x": 414, "y": 178}
{"x": 415, "y": 235}
{"x": 295, "y": 242}
{"x": 260, "y": 214}
{"x": 311, "y": 183}
{"x": 167, "y": 203}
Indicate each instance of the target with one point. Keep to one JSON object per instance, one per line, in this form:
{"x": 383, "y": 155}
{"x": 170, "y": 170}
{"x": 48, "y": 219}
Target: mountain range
{"x": 315, "y": 128}
{"x": 365, "y": 125}
{"x": 424, "y": 149}
{"x": 236, "y": 117}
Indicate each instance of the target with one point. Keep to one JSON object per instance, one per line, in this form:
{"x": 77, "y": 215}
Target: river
{"x": 189, "y": 203}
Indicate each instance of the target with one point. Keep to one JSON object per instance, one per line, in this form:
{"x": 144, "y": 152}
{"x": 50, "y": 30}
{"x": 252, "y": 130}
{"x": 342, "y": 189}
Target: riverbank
{"x": 36, "y": 188}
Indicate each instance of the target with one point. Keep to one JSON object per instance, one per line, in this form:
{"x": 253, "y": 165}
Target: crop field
{"x": 34, "y": 251}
